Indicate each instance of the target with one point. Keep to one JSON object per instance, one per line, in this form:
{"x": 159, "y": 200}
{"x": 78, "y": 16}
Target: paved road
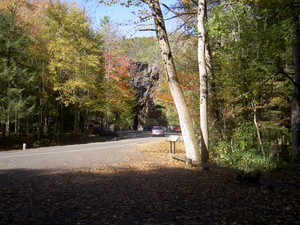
{"x": 91, "y": 155}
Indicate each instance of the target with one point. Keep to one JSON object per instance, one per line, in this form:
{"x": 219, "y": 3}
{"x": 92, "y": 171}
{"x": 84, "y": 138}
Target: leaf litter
{"x": 155, "y": 190}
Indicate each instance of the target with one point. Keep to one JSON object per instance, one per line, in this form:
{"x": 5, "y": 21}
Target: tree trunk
{"x": 3, "y": 130}
{"x": 76, "y": 118}
{"x": 185, "y": 119}
{"x": 7, "y": 129}
{"x": 203, "y": 81}
{"x": 257, "y": 129}
{"x": 85, "y": 122}
{"x": 296, "y": 97}
{"x": 42, "y": 108}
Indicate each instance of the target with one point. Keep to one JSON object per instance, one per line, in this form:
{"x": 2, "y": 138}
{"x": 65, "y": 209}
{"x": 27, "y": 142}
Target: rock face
{"x": 144, "y": 78}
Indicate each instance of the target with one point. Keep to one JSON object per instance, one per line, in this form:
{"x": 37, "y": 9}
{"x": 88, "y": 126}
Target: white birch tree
{"x": 203, "y": 73}
{"x": 185, "y": 119}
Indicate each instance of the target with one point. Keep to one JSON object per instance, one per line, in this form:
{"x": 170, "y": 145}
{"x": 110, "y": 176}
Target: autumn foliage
{"x": 63, "y": 70}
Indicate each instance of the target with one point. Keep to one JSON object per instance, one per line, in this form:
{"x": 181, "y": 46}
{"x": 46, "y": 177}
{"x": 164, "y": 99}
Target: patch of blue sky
{"x": 125, "y": 18}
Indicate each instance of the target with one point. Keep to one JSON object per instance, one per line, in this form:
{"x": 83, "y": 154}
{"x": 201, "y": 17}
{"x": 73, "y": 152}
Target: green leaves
{"x": 16, "y": 75}
{"x": 249, "y": 47}
{"x": 76, "y": 59}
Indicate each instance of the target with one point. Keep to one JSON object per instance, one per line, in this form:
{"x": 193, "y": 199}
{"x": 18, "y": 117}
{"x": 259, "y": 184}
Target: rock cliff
{"x": 145, "y": 78}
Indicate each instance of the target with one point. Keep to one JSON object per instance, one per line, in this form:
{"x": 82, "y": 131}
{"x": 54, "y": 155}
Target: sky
{"x": 119, "y": 15}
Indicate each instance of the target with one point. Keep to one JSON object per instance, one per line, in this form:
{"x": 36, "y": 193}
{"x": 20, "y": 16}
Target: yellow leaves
{"x": 75, "y": 58}
{"x": 69, "y": 90}
{"x": 186, "y": 2}
{"x": 73, "y": 91}
{"x": 277, "y": 101}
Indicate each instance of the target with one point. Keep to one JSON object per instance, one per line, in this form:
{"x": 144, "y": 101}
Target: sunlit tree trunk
{"x": 185, "y": 119}
{"x": 203, "y": 81}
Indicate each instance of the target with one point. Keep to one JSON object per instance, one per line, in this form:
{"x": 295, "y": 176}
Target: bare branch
{"x": 147, "y": 29}
{"x": 178, "y": 15}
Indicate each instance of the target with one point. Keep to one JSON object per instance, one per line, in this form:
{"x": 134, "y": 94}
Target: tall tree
{"x": 203, "y": 79}
{"x": 204, "y": 65}
{"x": 17, "y": 80}
{"x": 185, "y": 119}
{"x": 75, "y": 63}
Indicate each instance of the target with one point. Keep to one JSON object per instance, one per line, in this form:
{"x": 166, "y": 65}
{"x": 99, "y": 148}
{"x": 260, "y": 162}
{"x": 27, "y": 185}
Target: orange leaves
{"x": 27, "y": 13}
{"x": 116, "y": 66}
{"x": 189, "y": 83}
{"x": 117, "y": 72}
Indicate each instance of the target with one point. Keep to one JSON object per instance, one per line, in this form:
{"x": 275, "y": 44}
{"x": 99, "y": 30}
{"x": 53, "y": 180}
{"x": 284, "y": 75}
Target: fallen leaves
{"x": 155, "y": 190}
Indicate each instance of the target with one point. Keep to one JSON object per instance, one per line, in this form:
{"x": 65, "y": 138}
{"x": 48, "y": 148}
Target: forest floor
{"x": 155, "y": 190}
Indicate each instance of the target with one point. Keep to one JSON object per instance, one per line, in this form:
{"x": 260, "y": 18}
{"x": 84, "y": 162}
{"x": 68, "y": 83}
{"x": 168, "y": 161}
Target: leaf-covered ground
{"x": 156, "y": 190}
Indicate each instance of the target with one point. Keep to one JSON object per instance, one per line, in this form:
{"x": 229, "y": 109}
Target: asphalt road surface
{"x": 19, "y": 165}
{"x": 89, "y": 156}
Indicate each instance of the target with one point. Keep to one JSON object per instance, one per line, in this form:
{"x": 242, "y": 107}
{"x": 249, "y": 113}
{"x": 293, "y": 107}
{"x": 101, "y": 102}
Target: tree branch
{"x": 147, "y": 29}
{"x": 290, "y": 78}
{"x": 274, "y": 75}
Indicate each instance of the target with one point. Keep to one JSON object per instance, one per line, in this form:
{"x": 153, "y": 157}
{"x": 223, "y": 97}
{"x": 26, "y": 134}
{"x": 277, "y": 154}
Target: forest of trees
{"x": 58, "y": 73}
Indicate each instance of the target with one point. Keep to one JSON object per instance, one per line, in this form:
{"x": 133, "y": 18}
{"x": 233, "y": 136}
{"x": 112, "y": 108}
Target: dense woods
{"x": 58, "y": 74}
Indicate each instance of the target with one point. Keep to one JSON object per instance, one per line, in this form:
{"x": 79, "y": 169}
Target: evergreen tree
{"x": 17, "y": 79}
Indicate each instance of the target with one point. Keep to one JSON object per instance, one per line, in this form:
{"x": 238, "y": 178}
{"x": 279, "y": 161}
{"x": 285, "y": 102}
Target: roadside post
{"x": 172, "y": 139}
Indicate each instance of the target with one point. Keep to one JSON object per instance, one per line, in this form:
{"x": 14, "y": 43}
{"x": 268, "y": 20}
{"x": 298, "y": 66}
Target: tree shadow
{"x": 136, "y": 196}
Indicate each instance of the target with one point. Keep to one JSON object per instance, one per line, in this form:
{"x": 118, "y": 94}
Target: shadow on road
{"x": 137, "y": 196}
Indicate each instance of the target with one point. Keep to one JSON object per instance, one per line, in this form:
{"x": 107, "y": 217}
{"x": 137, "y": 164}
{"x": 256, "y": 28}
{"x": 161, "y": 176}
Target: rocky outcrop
{"x": 145, "y": 78}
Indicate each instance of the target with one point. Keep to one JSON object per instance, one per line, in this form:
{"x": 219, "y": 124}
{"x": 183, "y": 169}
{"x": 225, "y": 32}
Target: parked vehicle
{"x": 100, "y": 131}
{"x": 147, "y": 128}
{"x": 176, "y": 129}
{"x": 158, "y": 131}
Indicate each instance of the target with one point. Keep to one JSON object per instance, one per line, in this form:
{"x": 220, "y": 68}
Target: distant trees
{"x": 57, "y": 73}
{"x": 75, "y": 60}
{"x": 119, "y": 97}
{"x": 145, "y": 49}
{"x": 18, "y": 83}
{"x": 53, "y": 72}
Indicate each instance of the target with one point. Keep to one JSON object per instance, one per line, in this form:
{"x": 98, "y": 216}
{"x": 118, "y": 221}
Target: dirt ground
{"x": 155, "y": 190}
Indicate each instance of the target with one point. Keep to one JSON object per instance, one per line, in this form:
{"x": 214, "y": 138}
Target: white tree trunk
{"x": 190, "y": 142}
{"x": 203, "y": 81}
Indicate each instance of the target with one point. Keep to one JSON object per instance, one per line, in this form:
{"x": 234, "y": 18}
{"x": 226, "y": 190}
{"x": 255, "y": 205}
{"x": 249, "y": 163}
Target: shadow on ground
{"x": 132, "y": 196}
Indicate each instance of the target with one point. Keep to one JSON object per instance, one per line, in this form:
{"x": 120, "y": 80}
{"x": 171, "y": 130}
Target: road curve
{"x": 87, "y": 156}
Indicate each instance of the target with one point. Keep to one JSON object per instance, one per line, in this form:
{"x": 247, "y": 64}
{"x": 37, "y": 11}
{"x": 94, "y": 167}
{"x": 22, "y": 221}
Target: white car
{"x": 158, "y": 131}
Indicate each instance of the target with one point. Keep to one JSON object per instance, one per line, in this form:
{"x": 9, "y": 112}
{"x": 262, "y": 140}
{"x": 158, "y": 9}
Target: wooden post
{"x": 172, "y": 139}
